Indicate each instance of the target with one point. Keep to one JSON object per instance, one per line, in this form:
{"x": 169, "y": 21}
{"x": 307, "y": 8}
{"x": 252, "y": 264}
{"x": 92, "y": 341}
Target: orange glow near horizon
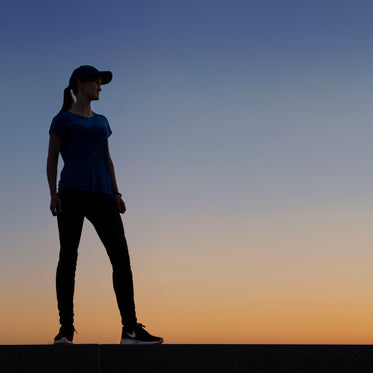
{"x": 266, "y": 323}
{"x": 282, "y": 292}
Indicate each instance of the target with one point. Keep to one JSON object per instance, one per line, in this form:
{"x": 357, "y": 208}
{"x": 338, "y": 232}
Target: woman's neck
{"x": 82, "y": 108}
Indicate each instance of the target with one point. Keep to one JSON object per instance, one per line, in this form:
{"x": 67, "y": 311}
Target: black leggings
{"x": 101, "y": 210}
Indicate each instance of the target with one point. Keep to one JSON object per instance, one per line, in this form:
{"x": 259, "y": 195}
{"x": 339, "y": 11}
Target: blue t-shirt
{"x": 85, "y": 151}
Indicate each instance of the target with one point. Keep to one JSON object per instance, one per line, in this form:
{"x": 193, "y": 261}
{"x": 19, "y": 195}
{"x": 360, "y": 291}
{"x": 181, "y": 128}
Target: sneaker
{"x": 139, "y": 336}
{"x": 65, "y": 335}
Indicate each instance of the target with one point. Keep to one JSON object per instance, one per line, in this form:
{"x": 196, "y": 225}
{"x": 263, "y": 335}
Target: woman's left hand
{"x": 120, "y": 203}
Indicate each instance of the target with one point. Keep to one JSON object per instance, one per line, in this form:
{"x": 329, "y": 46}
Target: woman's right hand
{"x": 55, "y": 206}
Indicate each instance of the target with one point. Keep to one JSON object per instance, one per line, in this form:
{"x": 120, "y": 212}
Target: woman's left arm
{"x": 114, "y": 187}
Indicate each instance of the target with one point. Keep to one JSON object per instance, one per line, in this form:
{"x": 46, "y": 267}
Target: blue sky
{"x": 230, "y": 119}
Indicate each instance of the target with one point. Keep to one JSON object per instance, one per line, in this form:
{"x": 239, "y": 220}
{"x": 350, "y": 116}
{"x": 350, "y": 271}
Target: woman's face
{"x": 91, "y": 89}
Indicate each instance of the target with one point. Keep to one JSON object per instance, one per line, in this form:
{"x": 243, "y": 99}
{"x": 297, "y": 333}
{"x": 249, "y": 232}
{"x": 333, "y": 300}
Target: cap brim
{"x": 106, "y": 77}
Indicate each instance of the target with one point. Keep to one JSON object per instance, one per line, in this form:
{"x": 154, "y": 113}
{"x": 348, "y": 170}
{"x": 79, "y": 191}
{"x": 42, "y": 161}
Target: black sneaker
{"x": 65, "y": 335}
{"x": 139, "y": 336}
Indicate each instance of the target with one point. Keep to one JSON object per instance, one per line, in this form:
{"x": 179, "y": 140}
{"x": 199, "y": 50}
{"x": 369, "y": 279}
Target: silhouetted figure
{"x": 88, "y": 189}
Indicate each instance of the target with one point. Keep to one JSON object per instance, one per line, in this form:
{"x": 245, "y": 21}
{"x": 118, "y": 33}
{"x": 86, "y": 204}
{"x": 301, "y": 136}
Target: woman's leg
{"x": 104, "y": 215}
{"x": 70, "y": 224}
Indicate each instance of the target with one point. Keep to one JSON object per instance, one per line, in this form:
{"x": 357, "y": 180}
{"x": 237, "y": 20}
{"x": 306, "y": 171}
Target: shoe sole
{"x": 125, "y": 341}
{"x": 63, "y": 341}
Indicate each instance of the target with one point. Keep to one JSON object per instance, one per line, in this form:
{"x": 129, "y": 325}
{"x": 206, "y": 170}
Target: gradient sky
{"x": 242, "y": 140}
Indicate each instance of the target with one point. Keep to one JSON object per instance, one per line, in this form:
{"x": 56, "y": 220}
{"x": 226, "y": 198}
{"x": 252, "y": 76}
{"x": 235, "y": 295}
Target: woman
{"x": 88, "y": 189}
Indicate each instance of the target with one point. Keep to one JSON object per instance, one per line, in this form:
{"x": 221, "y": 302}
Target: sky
{"x": 242, "y": 143}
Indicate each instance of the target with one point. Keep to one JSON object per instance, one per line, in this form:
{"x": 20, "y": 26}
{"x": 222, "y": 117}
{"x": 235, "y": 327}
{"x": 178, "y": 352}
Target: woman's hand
{"x": 120, "y": 203}
{"x": 55, "y": 206}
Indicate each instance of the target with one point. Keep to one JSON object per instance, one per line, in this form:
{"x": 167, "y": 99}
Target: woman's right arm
{"x": 55, "y": 142}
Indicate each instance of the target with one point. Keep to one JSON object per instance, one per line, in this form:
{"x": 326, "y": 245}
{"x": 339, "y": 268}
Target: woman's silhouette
{"x": 88, "y": 189}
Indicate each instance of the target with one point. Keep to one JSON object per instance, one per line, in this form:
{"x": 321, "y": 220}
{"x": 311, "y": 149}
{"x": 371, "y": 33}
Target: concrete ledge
{"x": 186, "y": 358}
{"x": 49, "y": 358}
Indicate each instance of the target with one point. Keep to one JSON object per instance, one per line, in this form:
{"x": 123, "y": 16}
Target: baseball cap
{"x": 86, "y": 71}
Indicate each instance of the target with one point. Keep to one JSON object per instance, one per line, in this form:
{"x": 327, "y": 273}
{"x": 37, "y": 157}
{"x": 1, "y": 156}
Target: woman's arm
{"x": 114, "y": 188}
{"x": 55, "y": 142}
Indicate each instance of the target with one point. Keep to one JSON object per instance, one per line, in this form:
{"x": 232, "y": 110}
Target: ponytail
{"x": 68, "y": 100}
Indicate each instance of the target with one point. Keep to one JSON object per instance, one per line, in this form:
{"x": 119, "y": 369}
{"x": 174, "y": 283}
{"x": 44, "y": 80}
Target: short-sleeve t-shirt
{"x": 85, "y": 151}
